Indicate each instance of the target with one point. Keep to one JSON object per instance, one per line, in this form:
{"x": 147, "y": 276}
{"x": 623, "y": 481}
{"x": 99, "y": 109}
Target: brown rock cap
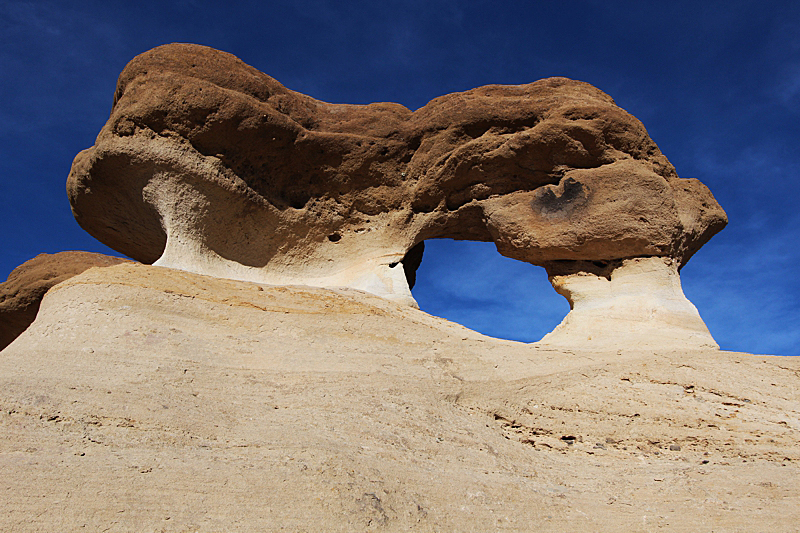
{"x": 215, "y": 167}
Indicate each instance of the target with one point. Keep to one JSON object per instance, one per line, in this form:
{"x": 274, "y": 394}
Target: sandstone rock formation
{"x": 635, "y": 301}
{"x": 22, "y": 292}
{"x": 210, "y": 166}
{"x": 150, "y": 399}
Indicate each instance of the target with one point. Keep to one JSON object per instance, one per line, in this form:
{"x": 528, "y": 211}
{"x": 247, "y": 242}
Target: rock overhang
{"x": 208, "y": 165}
{"x": 487, "y": 155}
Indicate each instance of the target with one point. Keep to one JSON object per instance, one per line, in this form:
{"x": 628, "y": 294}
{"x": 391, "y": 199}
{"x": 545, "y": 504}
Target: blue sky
{"x": 717, "y": 84}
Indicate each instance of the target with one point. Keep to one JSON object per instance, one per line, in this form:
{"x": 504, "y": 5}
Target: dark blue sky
{"x": 717, "y": 84}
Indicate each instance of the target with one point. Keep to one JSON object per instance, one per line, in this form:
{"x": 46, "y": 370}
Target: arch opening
{"x": 470, "y": 283}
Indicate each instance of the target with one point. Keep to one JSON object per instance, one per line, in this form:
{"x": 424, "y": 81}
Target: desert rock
{"x": 147, "y": 398}
{"x": 210, "y": 166}
{"x": 22, "y": 292}
{"x": 634, "y": 302}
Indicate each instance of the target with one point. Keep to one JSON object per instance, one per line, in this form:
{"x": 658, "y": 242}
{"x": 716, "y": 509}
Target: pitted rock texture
{"x": 208, "y": 165}
{"x": 27, "y": 284}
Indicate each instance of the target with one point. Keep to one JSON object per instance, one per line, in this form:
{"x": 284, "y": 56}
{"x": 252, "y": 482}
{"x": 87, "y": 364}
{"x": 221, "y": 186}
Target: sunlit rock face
{"x": 634, "y": 302}
{"x": 22, "y": 292}
{"x": 210, "y": 166}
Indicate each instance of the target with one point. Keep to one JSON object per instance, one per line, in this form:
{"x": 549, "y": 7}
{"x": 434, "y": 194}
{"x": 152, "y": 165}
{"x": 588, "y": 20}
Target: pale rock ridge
{"x": 210, "y": 166}
{"x": 22, "y": 292}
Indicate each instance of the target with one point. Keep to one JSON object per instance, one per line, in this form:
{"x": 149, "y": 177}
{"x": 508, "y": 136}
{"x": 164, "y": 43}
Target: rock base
{"x": 638, "y": 302}
{"x": 150, "y": 399}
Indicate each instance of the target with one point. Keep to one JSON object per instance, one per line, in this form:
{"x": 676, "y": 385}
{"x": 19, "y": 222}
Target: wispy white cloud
{"x": 788, "y": 90}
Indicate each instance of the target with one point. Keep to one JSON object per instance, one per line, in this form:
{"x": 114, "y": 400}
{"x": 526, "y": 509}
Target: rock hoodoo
{"x": 210, "y": 166}
{"x": 185, "y": 399}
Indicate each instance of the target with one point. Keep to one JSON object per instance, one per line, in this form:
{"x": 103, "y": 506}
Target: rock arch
{"x": 208, "y": 165}
{"x": 469, "y": 283}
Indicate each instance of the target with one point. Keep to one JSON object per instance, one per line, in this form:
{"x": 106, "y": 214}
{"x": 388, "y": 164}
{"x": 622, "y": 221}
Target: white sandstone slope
{"x": 149, "y": 399}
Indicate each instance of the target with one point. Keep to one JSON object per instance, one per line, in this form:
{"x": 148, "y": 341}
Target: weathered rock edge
{"x": 22, "y": 292}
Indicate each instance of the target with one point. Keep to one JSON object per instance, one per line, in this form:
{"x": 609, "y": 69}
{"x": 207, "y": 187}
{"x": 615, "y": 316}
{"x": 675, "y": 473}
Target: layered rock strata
{"x": 151, "y": 399}
{"x": 210, "y": 166}
{"x": 22, "y": 292}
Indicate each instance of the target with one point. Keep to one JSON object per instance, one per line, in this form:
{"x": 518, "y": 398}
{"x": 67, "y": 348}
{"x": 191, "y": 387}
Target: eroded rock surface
{"x": 633, "y": 302}
{"x": 22, "y": 292}
{"x": 208, "y": 165}
{"x": 151, "y": 399}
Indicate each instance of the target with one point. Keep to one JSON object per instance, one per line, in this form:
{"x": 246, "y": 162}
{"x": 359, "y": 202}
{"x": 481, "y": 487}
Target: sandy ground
{"x": 148, "y": 399}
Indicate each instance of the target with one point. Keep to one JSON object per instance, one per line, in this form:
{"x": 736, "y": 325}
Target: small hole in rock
{"x": 334, "y": 237}
{"x": 470, "y": 283}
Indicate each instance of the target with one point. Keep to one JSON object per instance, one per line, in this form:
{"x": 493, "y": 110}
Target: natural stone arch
{"x": 208, "y": 165}
{"x": 469, "y": 283}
